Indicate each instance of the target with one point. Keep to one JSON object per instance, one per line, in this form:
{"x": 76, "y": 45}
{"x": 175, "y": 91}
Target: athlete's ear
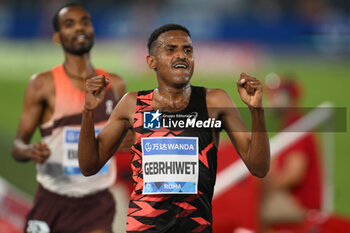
{"x": 56, "y": 38}
{"x": 151, "y": 61}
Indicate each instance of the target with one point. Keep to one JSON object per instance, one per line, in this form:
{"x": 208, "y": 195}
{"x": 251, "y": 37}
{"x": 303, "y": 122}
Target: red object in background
{"x": 239, "y": 206}
{"x": 8, "y": 227}
{"x": 13, "y": 208}
{"x": 319, "y": 223}
{"x": 308, "y": 192}
{"x": 336, "y": 224}
{"x": 124, "y": 172}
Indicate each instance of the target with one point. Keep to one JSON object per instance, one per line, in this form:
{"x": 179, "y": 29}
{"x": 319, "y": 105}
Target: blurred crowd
{"x": 220, "y": 19}
{"x": 321, "y": 24}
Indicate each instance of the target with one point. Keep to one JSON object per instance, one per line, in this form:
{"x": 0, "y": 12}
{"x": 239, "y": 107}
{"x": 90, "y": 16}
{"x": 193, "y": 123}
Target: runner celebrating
{"x": 174, "y": 168}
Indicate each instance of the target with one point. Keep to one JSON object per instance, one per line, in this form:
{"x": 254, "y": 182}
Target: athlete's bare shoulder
{"x": 118, "y": 85}
{"x": 217, "y": 98}
{"x": 126, "y": 107}
{"x": 130, "y": 99}
{"x": 42, "y": 85}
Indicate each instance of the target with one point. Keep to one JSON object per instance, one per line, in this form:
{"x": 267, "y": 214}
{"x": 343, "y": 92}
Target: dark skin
{"x": 173, "y": 62}
{"x": 76, "y": 34}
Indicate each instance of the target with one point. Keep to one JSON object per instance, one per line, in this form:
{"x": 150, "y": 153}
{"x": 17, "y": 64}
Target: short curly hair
{"x": 156, "y": 33}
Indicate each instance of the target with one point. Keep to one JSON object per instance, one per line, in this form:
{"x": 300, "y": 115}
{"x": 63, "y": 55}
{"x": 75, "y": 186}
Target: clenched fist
{"x": 250, "y": 90}
{"x": 95, "y": 91}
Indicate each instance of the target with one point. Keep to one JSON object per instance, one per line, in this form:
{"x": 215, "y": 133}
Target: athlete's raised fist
{"x": 95, "y": 91}
{"x": 250, "y": 90}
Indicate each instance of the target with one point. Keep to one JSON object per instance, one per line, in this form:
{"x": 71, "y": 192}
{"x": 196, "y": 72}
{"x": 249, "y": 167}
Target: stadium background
{"x": 307, "y": 38}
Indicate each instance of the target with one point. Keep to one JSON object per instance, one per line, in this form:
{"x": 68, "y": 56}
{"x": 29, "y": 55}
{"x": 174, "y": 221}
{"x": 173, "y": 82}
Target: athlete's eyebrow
{"x": 188, "y": 46}
{"x": 69, "y": 20}
{"x": 86, "y": 17}
{"x": 171, "y": 45}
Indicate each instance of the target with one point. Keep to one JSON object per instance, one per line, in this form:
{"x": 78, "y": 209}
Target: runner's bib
{"x": 170, "y": 165}
{"x": 70, "y": 152}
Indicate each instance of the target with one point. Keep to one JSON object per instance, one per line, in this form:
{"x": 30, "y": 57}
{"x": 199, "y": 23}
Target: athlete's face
{"x": 172, "y": 58}
{"x": 76, "y": 33}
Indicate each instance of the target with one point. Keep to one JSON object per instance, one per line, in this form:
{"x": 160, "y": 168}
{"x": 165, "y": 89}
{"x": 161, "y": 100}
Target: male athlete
{"x": 66, "y": 201}
{"x": 176, "y": 127}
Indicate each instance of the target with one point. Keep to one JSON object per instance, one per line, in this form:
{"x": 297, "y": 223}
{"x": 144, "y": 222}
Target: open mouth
{"x": 181, "y": 65}
{"x": 81, "y": 38}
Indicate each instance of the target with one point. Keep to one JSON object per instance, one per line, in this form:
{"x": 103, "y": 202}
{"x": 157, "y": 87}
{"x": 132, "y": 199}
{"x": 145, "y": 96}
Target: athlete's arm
{"x": 32, "y": 114}
{"x": 95, "y": 152}
{"x": 252, "y": 147}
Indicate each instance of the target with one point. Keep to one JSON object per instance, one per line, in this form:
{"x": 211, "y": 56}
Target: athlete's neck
{"x": 78, "y": 67}
{"x": 171, "y": 99}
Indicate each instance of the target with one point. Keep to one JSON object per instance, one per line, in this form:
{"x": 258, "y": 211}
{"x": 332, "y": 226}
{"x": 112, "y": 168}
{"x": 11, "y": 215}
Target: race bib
{"x": 70, "y": 152}
{"x": 170, "y": 165}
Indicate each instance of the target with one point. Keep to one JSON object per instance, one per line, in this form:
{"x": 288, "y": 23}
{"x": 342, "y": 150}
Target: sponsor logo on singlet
{"x": 151, "y": 120}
